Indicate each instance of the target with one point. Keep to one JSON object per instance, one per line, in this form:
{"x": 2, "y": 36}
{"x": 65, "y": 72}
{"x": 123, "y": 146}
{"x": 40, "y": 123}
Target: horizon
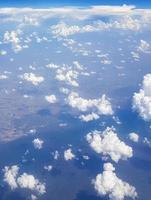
{"x": 47, "y": 3}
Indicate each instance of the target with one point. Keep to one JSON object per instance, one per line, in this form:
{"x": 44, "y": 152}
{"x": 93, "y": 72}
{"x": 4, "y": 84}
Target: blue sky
{"x": 46, "y": 3}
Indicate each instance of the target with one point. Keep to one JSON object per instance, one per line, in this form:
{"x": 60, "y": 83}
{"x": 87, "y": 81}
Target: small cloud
{"x": 68, "y": 155}
{"x": 38, "y": 143}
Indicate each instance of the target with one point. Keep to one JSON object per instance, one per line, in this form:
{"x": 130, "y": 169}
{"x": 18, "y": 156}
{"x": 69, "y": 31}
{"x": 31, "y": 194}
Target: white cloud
{"x": 34, "y": 79}
{"x": 134, "y": 137}
{"x": 28, "y": 20}
{"x": 10, "y": 174}
{"x": 3, "y": 52}
{"x": 38, "y": 143}
{"x": 36, "y": 16}
{"x": 78, "y": 65}
{"x": 52, "y": 66}
{"x": 108, "y": 183}
{"x": 13, "y": 38}
{"x": 144, "y": 47}
{"x": 89, "y": 117}
{"x": 64, "y": 90}
{"x": 101, "y": 105}
{"x": 48, "y": 168}
{"x": 30, "y": 182}
{"x": 108, "y": 144}
{"x": 68, "y": 155}
{"x": 25, "y": 180}
{"x": 33, "y": 197}
{"x": 142, "y": 99}
{"x": 123, "y": 23}
{"x": 135, "y": 55}
{"x": 68, "y": 76}
{"x": 3, "y": 76}
{"x": 51, "y": 98}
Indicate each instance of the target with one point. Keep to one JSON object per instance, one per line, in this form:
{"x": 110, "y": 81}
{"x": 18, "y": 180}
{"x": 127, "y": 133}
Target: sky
{"x": 75, "y": 100}
{"x": 50, "y": 3}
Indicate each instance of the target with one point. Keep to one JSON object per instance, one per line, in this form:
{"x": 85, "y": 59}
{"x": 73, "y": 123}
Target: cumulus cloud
{"x": 30, "y": 182}
{"x": 109, "y": 184}
{"x": 108, "y": 144}
{"x": 89, "y": 117}
{"x": 34, "y": 79}
{"x": 38, "y": 143}
{"x": 101, "y": 105}
{"x": 68, "y": 155}
{"x": 123, "y": 23}
{"x": 68, "y": 76}
{"x": 142, "y": 99}
{"x": 13, "y": 38}
{"x": 134, "y": 137}
{"x": 12, "y": 178}
{"x": 51, "y": 98}
{"x": 10, "y": 175}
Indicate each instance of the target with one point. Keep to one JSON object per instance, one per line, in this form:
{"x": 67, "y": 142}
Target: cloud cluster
{"x": 33, "y": 78}
{"x": 68, "y": 76}
{"x": 123, "y": 23}
{"x": 108, "y": 183}
{"x": 18, "y": 14}
{"x": 101, "y": 105}
{"x": 13, "y": 38}
{"x": 144, "y": 47}
{"x": 108, "y": 144}
{"x": 12, "y": 178}
{"x": 142, "y": 99}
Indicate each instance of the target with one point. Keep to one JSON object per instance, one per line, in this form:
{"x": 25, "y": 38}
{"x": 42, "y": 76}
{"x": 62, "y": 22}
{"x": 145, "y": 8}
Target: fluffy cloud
{"x": 123, "y": 23}
{"x": 134, "y": 137}
{"x": 107, "y": 143}
{"x": 30, "y": 182}
{"x": 68, "y": 76}
{"x": 12, "y": 178}
{"x": 142, "y": 99}
{"x": 51, "y": 98}
{"x": 38, "y": 143}
{"x": 108, "y": 183}
{"x": 89, "y": 117}
{"x": 10, "y": 175}
{"x": 101, "y": 105}
{"x": 68, "y": 155}
{"x": 13, "y": 38}
{"x": 34, "y": 79}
